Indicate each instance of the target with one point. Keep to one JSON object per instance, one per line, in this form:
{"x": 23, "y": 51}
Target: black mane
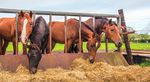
{"x": 40, "y": 32}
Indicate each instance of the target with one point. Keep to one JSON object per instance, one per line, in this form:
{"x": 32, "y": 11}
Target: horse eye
{"x": 30, "y": 24}
{"x": 112, "y": 30}
{"x": 92, "y": 46}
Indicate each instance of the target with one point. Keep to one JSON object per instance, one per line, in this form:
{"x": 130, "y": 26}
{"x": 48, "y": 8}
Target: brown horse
{"x": 58, "y": 36}
{"x": 108, "y": 27}
{"x": 8, "y": 29}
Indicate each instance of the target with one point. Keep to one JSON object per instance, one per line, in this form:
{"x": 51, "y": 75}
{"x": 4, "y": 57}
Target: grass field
{"x": 111, "y": 46}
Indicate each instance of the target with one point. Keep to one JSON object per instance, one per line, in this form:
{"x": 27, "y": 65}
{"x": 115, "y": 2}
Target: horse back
{"x": 7, "y": 27}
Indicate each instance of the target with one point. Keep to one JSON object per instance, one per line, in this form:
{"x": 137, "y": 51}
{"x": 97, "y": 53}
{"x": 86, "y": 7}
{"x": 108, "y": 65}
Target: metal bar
{"x": 16, "y": 34}
{"x": 80, "y": 40}
{"x": 125, "y": 37}
{"x": 106, "y": 42}
{"x": 50, "y": 32}
{"x": 0, "y": 45}
{"x": 93, "y": 22}
{"x": 33, "y": 18}
{"x": 66, "y": 47}
{"x": 2, "y": 10}
{"x": 119, "y": 24}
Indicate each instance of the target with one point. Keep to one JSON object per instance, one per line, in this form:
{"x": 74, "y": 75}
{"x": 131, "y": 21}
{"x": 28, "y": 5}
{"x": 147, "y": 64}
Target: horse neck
{"x": 86, "y": 31}
{"x": 98, "y": 25}
{"x": 39, "y": 31}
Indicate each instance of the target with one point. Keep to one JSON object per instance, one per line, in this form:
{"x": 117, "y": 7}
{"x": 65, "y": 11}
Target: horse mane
{"x": 36, "y": 24}
{"x": 87, "y": 26}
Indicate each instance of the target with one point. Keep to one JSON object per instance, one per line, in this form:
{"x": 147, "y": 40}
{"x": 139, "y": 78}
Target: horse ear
{"x": 31, "y": 14}
{"x": 110, "y": 21}
{"x": 21, "y": 13}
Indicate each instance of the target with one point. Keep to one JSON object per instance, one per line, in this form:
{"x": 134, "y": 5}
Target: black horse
{"x": 39, "y": 41}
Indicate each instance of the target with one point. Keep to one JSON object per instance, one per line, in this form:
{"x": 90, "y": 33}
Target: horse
{"x": 107, "y": 26}
{"x": 88, "y": 34}
{"x": 8, "y": 30}
{"x": 39, "y": 40}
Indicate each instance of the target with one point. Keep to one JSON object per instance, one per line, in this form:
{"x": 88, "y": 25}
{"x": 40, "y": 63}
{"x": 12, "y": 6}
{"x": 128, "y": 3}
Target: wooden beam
{"x": 125, "y": 37}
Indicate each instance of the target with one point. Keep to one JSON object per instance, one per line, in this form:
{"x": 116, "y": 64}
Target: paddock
{"x": 109, "y": 66}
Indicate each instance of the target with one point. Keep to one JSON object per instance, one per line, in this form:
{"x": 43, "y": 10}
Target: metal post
{"x": 125, "y": 37}
{"x": 33, "y": 18}
{"x": 93, "y": 22}
{"x": 80, "y": 40}
{"x": 0, "y": 45}
{"x": 50, "y": 33}
{"x": 119, "y": 24}
{"x": 16, "y": 34}
{"x": 65, "y": 34}
{"x": 106, "y": 42}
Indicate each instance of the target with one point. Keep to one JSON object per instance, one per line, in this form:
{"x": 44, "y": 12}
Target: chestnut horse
{"x": 108, "y": 27}
{"x": 8, "y": 30}
{"x": 58, "y": 36}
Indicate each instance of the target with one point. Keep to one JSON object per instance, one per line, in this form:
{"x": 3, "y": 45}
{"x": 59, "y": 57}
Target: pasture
{"x": 79, "y": 67}
{"x": 111, "y": 46}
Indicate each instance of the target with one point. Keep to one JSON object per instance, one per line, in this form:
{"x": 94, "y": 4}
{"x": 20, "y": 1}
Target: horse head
{"x": 92, "y": 47}
{"x": 112, "y": 32}
{"x": 25, "y": 25}
{"x": 34, "y": 56}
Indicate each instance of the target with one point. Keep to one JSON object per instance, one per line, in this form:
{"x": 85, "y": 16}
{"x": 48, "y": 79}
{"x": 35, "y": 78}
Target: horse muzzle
{"x": 91, "y": 59}
{"x": 33, "y": 70}
{"x": 24, "y": 40}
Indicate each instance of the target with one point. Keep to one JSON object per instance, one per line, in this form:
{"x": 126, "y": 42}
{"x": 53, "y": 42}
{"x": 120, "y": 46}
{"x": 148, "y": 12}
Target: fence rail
{"x": 2, "y": 10}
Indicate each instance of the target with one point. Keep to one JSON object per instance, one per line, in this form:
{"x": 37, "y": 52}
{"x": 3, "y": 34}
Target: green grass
{"x": 145, "y": 63}
{"x": 111, "y": 46}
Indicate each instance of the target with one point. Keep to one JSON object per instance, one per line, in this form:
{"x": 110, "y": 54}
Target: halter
{"x": 35, "y": 46}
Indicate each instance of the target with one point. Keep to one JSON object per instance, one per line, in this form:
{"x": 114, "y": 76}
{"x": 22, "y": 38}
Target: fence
{"x": 119, "y": 17}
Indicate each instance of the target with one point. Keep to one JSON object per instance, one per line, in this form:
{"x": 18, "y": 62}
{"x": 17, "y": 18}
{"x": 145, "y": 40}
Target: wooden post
{"x": 50, "y": 33}
{"x": 80, "y": 40}
{"x": 65, "y": 34}
{"x": 16, "y": 34}
{"x": 125, "y": 37}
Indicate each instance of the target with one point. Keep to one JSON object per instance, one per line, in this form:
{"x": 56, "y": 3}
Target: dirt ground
{"x": 80, "y": 71}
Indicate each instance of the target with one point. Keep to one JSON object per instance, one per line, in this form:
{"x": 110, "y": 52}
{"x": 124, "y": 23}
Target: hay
{"x": 80, "y": 71}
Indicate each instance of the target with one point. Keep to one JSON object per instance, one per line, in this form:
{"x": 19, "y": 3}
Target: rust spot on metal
{"x": 11, "y": 62}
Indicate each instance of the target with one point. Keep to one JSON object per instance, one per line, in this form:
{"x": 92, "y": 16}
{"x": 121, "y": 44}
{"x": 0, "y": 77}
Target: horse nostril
{"x": 91, "y": 61}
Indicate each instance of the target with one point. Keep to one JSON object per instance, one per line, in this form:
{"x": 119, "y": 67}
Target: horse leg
{"x": 72, "y": 48}
{"x": 4, "y": 46}
{"x": 14, "y": 48}
{"x": 1, "y": 45}
{"x": 76, "y": 49}
{"x": 24, "y": 49}
{"x": 68, "y": 46}
{"x": 48, "y": 47}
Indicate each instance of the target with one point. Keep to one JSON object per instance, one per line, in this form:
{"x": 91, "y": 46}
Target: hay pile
{"x": 80, "y": 71}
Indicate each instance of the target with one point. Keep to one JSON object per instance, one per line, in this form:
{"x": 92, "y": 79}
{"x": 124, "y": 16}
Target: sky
{"x": 137, "y": 12}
